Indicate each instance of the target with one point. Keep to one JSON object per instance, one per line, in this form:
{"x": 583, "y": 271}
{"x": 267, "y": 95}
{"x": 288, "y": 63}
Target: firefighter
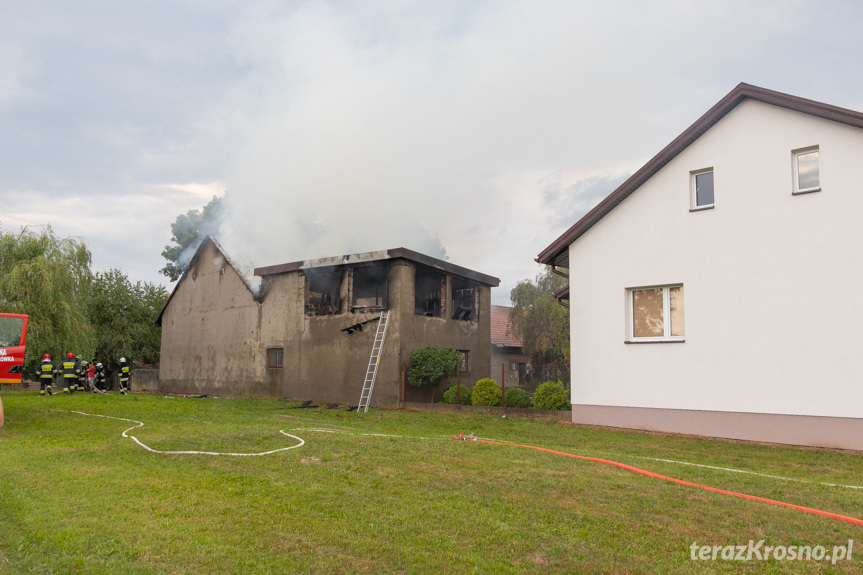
{"x": 46, "y": 375}
{"x": 70, "y": 374}
{"x": 124, "y": 376}
{"x": 99, "y": 377}
{"x": 82, "y": 374}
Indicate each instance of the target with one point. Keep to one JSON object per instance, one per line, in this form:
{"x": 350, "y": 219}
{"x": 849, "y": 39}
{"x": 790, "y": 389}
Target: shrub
{"x": 551, "y": 395}
{"x": 517, "y": 397}
{"x": 449, "y": 396}
{"x": 486, "y": 392}
{"x": 431, "y": 366}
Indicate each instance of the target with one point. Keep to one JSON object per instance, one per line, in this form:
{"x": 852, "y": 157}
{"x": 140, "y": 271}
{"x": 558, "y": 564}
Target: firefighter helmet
{"x": 69, "y": 354}
{"x": 122, "y": 360}
{"x": 46, "y": 356}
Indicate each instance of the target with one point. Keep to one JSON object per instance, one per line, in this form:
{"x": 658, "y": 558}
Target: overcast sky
{"x": 476, "y": 131}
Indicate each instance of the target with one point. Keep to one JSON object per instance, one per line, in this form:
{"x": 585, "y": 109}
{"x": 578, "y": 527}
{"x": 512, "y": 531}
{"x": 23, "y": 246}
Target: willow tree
{"x": 542, "y": 324}
{"x": 46, "y": 277}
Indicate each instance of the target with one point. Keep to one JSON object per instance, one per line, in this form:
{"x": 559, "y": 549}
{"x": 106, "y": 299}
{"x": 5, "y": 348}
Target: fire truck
{"x": 13, "y": 338}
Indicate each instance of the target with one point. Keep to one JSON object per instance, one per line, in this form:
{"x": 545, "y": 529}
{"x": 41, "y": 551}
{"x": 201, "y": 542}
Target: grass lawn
{"x": 390, "y": 492}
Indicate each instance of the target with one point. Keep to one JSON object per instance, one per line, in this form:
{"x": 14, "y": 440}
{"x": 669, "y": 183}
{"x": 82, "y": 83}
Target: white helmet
{"x": 98, "y": 365}
{"x": 122, "y": 360}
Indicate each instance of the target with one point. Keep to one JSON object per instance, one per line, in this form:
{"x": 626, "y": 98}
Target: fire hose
{"x": 845, "y": 518}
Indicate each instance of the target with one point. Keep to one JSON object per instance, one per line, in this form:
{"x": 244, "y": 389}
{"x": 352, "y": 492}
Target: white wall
{"x": 773, "y": 304}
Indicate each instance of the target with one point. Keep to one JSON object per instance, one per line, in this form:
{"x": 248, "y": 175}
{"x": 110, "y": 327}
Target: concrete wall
{"x": 144, "y": 380}
{"x": 211, "y": 335}
{"x": 770, "y": 278}
{"x": 504, "y": 357}
{"x": 215, "y": 338}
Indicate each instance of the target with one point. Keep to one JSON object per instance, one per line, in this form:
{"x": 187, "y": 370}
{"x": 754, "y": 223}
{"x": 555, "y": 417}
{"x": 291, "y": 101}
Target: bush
{"x": 551, "y": 395}
{"x": 486, "y": 392}
{"x": 449, "y": 396}
{"x": 517, "y": 397}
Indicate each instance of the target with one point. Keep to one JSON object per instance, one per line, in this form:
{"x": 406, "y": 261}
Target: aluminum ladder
{"x": 374, "y": 361}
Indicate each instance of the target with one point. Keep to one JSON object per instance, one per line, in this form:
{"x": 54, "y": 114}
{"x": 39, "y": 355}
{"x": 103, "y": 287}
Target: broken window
{"x": 429, "y": 292}
{"x": 464, "y": 296}
{"x": 369, "y": 288}
{"x": 322, "y": 291}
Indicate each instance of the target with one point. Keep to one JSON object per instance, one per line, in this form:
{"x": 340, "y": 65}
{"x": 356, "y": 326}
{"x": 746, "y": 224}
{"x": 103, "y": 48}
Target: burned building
{"x": 307, "y": 332}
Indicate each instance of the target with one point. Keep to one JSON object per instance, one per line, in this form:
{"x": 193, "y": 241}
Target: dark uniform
{"x": 124, "y": 376}
{"x": 99, "y": 377}
{"x": 46, "y": 375}
{"x": 70, "y": 374}
{"x": 82, "y": 375}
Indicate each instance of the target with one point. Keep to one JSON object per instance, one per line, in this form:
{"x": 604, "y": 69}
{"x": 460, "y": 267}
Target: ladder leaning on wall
{"x": 374, "y": 361}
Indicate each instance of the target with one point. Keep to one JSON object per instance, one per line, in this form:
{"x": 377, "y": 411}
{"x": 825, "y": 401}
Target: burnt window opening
{"x": 322, "y": 291}
{"x": 276, "y": 357}
{"x": 429, "y": 293}
{"x": 464, "y": 296}
{"x": 369, "y": 289}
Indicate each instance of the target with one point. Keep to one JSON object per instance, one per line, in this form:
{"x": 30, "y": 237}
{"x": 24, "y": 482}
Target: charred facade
{"x": 307, "y": 332}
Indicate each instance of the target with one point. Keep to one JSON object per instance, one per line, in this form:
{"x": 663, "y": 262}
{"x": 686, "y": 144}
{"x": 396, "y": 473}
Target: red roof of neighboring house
{"x": 500, "y": 327}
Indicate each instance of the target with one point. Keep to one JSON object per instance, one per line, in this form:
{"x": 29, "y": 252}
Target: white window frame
{"x": 795, "y": 155}
{"x": 693, "y": 197}
{"x": 666, "y": 315}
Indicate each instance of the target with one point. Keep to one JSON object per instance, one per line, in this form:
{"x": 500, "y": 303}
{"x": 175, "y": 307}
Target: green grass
{"x": 76, "y": 497}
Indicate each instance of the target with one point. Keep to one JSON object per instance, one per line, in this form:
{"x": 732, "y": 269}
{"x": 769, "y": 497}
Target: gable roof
{"x": 557, "y": 254}
{"x": 381, "y": 255}
{"x": 500, "y": 336}
{"x": 209, "y": 240}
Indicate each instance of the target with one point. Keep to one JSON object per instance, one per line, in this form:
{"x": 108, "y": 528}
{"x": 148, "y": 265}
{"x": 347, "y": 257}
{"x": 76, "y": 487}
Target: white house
{"x": 718, "y": 290}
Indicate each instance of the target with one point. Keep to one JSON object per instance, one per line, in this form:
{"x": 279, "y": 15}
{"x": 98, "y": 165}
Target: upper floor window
{"x": 701, "y": 189}
{"x": 429, "y": 293}
{"x": 656, "y": 314}
{"x": 369, "y": 288}
{"x": 465, "y": 300}
{"x": 807, "y": 173}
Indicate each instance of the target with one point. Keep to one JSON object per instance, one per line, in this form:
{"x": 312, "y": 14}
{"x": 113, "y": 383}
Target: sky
{"x": 472, "y": 131}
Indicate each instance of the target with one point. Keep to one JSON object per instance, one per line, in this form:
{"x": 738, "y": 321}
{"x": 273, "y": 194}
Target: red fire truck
{"x": 13, "y": 338}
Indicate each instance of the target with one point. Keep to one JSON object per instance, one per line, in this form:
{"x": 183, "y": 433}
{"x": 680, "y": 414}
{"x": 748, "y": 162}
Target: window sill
{"x": 702, "y": 208}
{"x": 628, "y": 341}
{"x": 801, "y": 192}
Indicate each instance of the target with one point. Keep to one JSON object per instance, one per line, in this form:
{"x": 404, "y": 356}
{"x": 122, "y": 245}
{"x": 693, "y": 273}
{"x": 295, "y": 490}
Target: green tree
{"x": 542, "y": 323}
{"x": 46, "y": 277}
{"x": 188, "y": 231}
{"x": 431, "y": 366}
{"x": 123, "y": 317}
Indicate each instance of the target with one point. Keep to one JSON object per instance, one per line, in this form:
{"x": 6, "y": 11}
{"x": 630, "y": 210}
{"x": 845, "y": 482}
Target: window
{"x": 464, "y": 300}
{"x": 276, "y": 357}
{"x": 701, "y": 189}
{"x": 322, "y": 291}
{"x": 369, "y": 288}
{"x": 807, "y": 176}
{"x": 656, "y": 314}
{"x": 429, "y": 293}
{"x": 464, "y": 366}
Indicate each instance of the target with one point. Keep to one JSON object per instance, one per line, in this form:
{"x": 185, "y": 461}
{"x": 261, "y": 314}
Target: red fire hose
{"x": 672, "y": 479}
